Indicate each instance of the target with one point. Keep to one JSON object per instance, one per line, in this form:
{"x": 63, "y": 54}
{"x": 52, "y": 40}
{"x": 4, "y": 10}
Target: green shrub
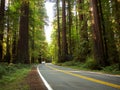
{"x": 113, "y": 68}
{"x": 3, "y": 70}
{"x": 12, "y": 76}
{"x": 11, "y": 68}
{"x": 91, "y": 64}
{"x": 71, "y": 63}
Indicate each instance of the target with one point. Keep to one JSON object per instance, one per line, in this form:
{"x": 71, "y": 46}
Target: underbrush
{"x": 92, "y": 66}
{"x": 113, "y": 69}
{"x": 12, "y": 76}
{"x": 75, "y": 65}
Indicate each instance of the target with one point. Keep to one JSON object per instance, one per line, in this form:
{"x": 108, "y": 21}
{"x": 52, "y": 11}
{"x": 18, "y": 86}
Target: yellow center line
{"x": 87, "y": 78}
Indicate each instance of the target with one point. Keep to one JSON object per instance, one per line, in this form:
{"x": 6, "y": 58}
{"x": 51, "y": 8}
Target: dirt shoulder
{"x": 34, "y": 81}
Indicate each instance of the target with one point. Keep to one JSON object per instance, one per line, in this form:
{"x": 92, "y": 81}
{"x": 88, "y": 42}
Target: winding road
{"x": 62, "y": 78}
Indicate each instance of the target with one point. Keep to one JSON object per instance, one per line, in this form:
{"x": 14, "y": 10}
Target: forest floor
{"x": 34, "y": 81}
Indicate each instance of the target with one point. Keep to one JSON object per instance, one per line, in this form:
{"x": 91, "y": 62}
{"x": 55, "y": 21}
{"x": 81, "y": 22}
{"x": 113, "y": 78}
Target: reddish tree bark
{"x": 69, "y": 27}
{"x": 23, "y": 45}
{"x": 58, "y": 32}
{"x": 97, "y": 34}
{"x": 64, "y": 39}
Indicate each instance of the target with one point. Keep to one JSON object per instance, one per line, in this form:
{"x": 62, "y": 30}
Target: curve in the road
{"x": 45, "y": 82}
{"x": 87, "y": 78}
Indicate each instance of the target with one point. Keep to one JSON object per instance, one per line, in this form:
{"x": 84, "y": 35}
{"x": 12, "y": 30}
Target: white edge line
{"x": 44, "y": 81}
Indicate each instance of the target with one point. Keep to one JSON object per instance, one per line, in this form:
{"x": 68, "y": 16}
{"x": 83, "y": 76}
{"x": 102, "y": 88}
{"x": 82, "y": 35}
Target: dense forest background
{"x": 22, "y": 37}
{"x": 85, "y": 31}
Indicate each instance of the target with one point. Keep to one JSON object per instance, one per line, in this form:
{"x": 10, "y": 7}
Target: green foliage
{"x": 2, "y": 70}
{"x": 12, "y": 78}
{"x": 91, "y": 64}
{"x": 37, "y": 13}
{"x": 81, "y": 52}
{"x": 112, "y": 69}
{"x": 11, "y": 68}
{"x": 71, "y": 63}
{"x": 53, "y": 48}
{"x": 38, "y": 45}
{"x": 75, "y": 65}
{"x": 53, "y": 53}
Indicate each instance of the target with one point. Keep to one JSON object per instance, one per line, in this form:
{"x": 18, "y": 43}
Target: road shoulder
{"x": 34, "y": 80}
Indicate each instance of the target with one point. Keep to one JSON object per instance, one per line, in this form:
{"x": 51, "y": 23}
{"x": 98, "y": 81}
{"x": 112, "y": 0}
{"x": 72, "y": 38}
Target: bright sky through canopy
{"x": 50, "y": 14}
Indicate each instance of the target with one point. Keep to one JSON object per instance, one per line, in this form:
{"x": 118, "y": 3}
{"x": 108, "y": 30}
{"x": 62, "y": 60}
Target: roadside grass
{"x": 12, "y": 77}
{"x": 90, "y": 66}
{"x": 113, "y": 69}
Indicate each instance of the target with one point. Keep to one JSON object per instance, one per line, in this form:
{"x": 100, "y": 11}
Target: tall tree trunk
{"x": 2, "y": 9}
{"x": 69, "y": 26}
{"x": 14, "y": 48}
{"x": 104, "y": 33}
{"x": 8, "y": 48}
{"x": 33, "y": 45}
{"x": 97, "y": 34}
{"x": 64, "y": 39}
{"x": 23, "y": 47}
{"x": 58, "y": 32}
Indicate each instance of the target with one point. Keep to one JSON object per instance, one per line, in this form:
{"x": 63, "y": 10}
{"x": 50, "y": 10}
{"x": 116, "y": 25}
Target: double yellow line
{"x": 87, "y": 78}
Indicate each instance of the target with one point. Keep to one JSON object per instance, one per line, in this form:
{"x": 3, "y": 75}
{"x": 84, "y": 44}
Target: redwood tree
{"x": 97, "y": 34}
{"x": 58, "y": 32}
{"x": 64, "y": 38}
{"x": 70, "y": 26}
{"x": 23, "y": 46}
{"x": 2, "y": 11}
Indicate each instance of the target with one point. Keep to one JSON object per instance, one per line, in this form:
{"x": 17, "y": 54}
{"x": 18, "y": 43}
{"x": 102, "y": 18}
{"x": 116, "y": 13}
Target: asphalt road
{"x": 61, "y": 78}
